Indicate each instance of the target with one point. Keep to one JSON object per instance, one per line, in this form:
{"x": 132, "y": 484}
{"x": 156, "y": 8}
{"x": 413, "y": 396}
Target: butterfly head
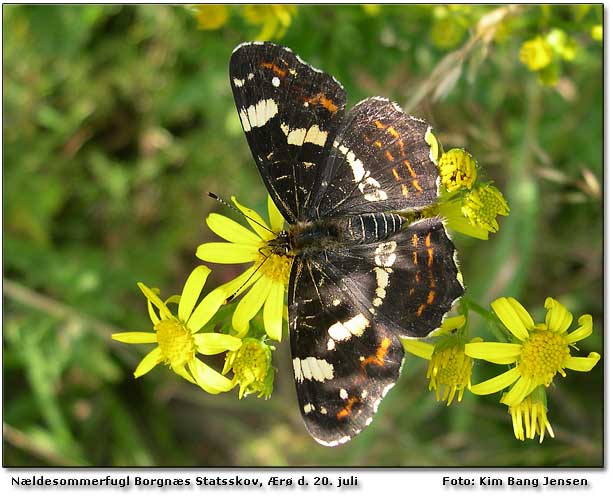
{"x": 281, "y": 245}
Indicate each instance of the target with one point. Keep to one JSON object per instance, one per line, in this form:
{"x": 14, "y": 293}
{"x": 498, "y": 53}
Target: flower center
{"x": 543, "y": 355}
{"x": 457, "y": 169}
{"x": 482, "y": 205}
{"x": 449, "y": 368}
{"x": 251, "y": 362}
{"x": 277, "y": 267}
{"x": 175, "y": 341}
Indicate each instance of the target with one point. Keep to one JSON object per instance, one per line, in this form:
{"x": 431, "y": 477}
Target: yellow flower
{"x": 266, "y": 279}
{"x": 252, "y": 367}
{"x": 436, "y": 149}
{"x": 450, "y": 368}
{"x": 211, "y": 16}
{"x": 371, "y": 9}
{"x": 538, "y": 353}
{"x": 178, "y": 338}
{"x": 481, "y": 206}
{"x": 450, "y": 208}
{"x": 530, "y": 417}
{"x": 536, "y": 53}
{"x": 457, "y": 169}
{"x": 562, "y": 44}
{"x": 274, "y": 19}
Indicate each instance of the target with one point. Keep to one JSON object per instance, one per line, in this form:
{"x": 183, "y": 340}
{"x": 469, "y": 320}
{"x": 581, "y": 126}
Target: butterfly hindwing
{"x": 408, "y": 281}
{"x": 344, "y": 362}
{"x": 290, "y": 113}
{"x": 380, "y": 161}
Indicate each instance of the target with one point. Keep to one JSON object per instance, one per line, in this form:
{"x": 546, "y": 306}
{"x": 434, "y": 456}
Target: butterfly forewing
{"x": 290, "y": 113}
{"x": 380, "y": 161}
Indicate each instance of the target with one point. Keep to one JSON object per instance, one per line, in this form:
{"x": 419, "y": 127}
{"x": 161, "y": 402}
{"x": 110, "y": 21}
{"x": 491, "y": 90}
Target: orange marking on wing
{"x": 400, "y": 144}
{"x": 420, "y": 309}
{"x": 428, "y": 240}
{"x": 325, "y": 102}
{"x": 416, "y": 185}
{"x": 275, "y": 68}
{"x": 415, "y": 258}
{"x": 414, "y": 240}
{"x": 431, "y": 295}
{"x": 411, "y": 291}
{"x": 389, "y": 156}
{"x": 417, "y": 277}
{"x": 432, "y": 280}
{"x": 379, "y": 354}
{"x": 408, "y": 166}
{"x": 393, "y": 132}
{"x": 405, "y": 190}
{"x": 430, "y": 257}
{"x": 346, "y": 411}
{"x": 379, "y": 125}
{"x": 395, "y": 173}
{"x": 378, "y": 144}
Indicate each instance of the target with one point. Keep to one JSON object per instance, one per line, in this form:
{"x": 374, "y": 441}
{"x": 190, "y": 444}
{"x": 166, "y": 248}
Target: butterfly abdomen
{"x": 328, "y": 234}
{"x": 368, "y": 228}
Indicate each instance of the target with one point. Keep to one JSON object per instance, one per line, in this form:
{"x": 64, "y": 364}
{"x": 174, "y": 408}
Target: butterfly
{"x": 362, "y": 275}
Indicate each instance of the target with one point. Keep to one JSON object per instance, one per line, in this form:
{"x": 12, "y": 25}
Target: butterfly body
{"x": 362, "y": 274}
{"x": 312, "y": 237}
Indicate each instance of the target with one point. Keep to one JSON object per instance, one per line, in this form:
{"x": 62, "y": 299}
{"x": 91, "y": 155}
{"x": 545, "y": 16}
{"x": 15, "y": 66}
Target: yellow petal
{"x": 227, "y": 253}
{"x": 453, "y": 323}
{"x": 275, "y": 216}
{"x": 205, "y": 310}
{"x": 498, "y": 353}
{"x": 155, "y": 319}
{"x": 242, "y": 282}
{"x": 231, "y": 231}
{"x": 151, "y": 360}
{"x": 520, "y": 391}
{"x": 558, "y": 317}
{"x": 507, "y": 313}
{"x": 250, "y": 304}
{"x": 418, "y": 347}
{"x": 183, "y": 373}
{"x": 155, "y": 300}
{"x": 216, "y": 343}
{"x": 584, "y": 330}
{"x": 208, "y": 379}
{"x": 583, "y": 364}
{"x": 256, "y": 222}
{"x": 273, "y": 311}
{"x": 135, "y": 337}
{"x": 191, "y": 291}
{"x": 523, "y": 314}
{"x": 496, "y": 383}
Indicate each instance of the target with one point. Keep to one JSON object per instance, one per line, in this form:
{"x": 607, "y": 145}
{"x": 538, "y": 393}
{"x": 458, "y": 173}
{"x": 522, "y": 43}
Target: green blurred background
{"x": 118, "y": 120}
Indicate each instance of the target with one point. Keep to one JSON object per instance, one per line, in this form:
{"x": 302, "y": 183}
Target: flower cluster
{"x": 533, "y": 353}
{"x": 545, "y": 54}
{"x": 468, "y": 206}
{"x": 272, "y": 20}
{"x": 189, "y": 332}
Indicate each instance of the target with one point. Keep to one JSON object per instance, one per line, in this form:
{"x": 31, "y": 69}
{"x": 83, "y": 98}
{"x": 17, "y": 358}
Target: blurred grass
{"x": 118, "y": 120}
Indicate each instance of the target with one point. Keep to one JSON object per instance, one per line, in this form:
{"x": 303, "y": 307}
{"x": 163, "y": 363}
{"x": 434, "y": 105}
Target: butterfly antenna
{"x": 235, "y": 293}
{"x": 234, "y": 208}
